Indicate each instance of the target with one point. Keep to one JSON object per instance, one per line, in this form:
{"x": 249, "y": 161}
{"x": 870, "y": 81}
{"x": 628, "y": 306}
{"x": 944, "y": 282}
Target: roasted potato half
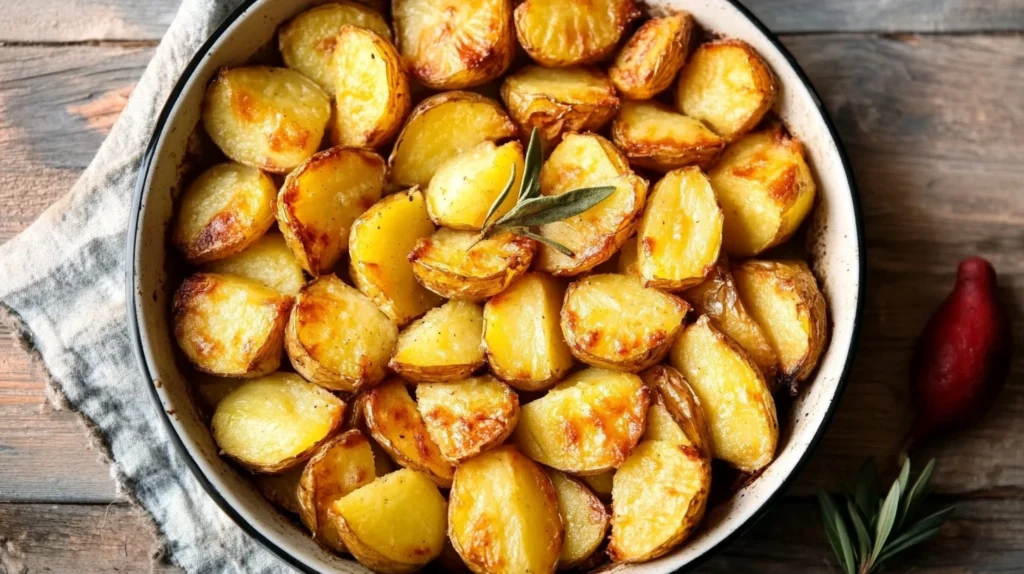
{"x": 268, "y": 118}
{"x": 379, "y": 245}
{"x": 308, "y": 41}
{"x": 339, "y": 466}
{"x": 355, "y": 418}
{"x": 396, "y": 425}
{"x": 446, "y": 344}
{"x": 321, "y": 199}
{"x": 736, "y": 400}
{"x": 268, "y": 261}
{"x": 650, "y": 59}
{"x": 452, "y": 264}
{"x": 467, "y": 417}
{"x": 274, "y": 423}
{"x": 337, "y": 338}
{"x": 558, "y": 101}
{"x": 783, "y": 297}
{"x": 766, "y": 190}
{"x": 584, "y": 519}
{"x": 396, "y": 524}
{"x": 442, "y": 127}
{"x": 229, "y": 325}
{"x": 675, "y": 413}
{"x": 654, "y": 136}
{"x": 559, "y": 34}
{"x": 613, "y": 321}
{"x": 453, "y": 44}
{"x": 524, "y": 343}
{"x": 589, "y": 160}
{"x": 226, "y": 209}
{"x": 681, "y": 232}
{"x": 503, "y": 514}
{"x": 586, "y": 424}
{"x": 281, "y": 489}
{"x": 465, "y": 186}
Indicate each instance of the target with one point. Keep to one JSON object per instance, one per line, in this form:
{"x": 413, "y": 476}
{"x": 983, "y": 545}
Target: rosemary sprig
{"x": 532, "y": 209}
{"x": 881, "y": 528}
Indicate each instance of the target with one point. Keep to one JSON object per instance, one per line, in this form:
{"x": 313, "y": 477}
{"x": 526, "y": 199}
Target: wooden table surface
{"x": 929, "y": 98}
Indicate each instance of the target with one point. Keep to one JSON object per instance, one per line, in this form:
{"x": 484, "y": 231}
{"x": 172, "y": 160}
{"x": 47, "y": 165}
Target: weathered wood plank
{"x": 86, "y": 20}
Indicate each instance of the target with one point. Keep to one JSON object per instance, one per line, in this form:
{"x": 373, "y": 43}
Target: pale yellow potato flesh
{"x": 558, "y": 34}
{"x": 456, "y": 264}
{"x": 600, "y": 483}
{"x": 268, "y": 261}
{"x": 464, "y": 188}
{"x": 654, "y": 136}
{"x": 584, "y": 519}
{"x": 629, "y": 258}
{"x": 559, "y": 101}
{"x": 467, "y": 417}
{"x": 648, "y": 62}
{"x": 446, "y": 344}
{"x": 675, "y": 414}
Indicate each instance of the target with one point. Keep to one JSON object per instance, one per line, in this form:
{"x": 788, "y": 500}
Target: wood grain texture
{"x": 85, "y": 20}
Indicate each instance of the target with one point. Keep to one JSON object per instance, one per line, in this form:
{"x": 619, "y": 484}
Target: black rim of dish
{"x": 243, "y": 523}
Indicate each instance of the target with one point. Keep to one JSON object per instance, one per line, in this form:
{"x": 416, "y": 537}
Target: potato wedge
{"x": 467, "y": 417}
{"x": 442, "y": 127}
{"x": 396, "y": 524}
{"x": 766, "y": 190}
{"x": 558, "y": 101}
{"x": 339, "y": 466}
{"x": 268, "y": 261}
{"x": 658, "y": 499}
{"x": 656, "y": 137}
{"x": 681, "y": 232}
{"x": 321, "y": 199}
{"x": 308, "y": 41}
{"x": 595, "y": 235}
{"x": 225, "y": 210}
{"x": 559, "y": 34}
{"x": 446, "y": 344}
{"x": 281, "y": 489}
{"x": 726, "y": 85}
{"x": 337, "y": 338}
{"x": 454, "y": 44}
{"x": 229, "y": 325}
{"x": 465, "y": 186}
{"x": 268, "y": 118}
{"x": 275, "y": 423}
{"x": 739, "y": 407}
{"x": 452, "y": 264}
{"x": 524, "y": 343}
{"x": 675, "y": 414}
{"x": 612, "y": 321}
{"x": 600, "y": 483}
{"x": 584, "y": 519}
{"x": 650, "y": 59}
{"x": 783, "y": 297}
{"x": 397, "y": 426}
{"x": 586, "y": 424}
{"x": 379, "y": 244}
{"x": 355, "y": 418}
{"x": 503, "y": 514}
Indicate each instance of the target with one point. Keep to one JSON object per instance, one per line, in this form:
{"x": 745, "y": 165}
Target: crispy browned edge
{"x": 451, "y": 284}
{"x": 625, "y": 14}
{"x": 625, "y": 72}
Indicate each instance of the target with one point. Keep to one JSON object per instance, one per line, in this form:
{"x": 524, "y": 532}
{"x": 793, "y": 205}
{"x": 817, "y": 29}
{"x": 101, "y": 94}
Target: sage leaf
{"x": 912, "y": 501}
{"x": 547, "y": 241}
{"x": 886, "y": 520}
{"x": 895, "y": 549}
{"x": 548, "y": 209}
{"x": 863, "y": 538}
{"x": 498, "y": 202}
{"x": 835, "y": 530}
{"x": 531, "y": 168}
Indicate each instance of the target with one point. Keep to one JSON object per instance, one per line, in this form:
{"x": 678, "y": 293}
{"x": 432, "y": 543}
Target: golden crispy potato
{"x": 308, "y": 41}
{"x": 783, "y": 297}
{"x": 465, "y": 186}
{"x": 226, "y": 209}
{"x": 396, "y": 524}
{"x": 451, "y": 263}
{"x": 728, "y": 86}
{"x": 379, "y": 244}
{"x": 613, "y": 321}
{"x": 650, "y": 59}
{"x": 268, "y": 118}
{"x": 558, "y": 101}
{"x": 337, "y": 338}
{"x": 339, "y": 466}
{"x": 589, "y": 160}
{"x": 675, "y": 414}
{"x": 503, "y": 514}
{"x": 320, "y": 200}
{"x": 229, "y": 325}
{"x": 397, "y": 426}
{"x": 656, "y": 137}
{"x": 454, "y": 44}
{"x": 681, "y": 232}
{"x": 600, "y": 483}
{"x": 739, "y": 407}
{"x": 355, "y": 418}
{"x": 658, "y": 499}
{"x": 718, "y": 298}
{"x": 274, "y": 423}
{"x": 467, "y": 417}
{"x": 268, "y": 261}
{"x": 521, "y": 334}
{"x": 442, "y": 127}
{"x": 446, "y": 344}
{"x": 558, "y": 34}
{"x": 766, "y": 190}
{"x": 281, "y": 489}
{"x": 586, "y": 424}
{"x": 584, "y": 519}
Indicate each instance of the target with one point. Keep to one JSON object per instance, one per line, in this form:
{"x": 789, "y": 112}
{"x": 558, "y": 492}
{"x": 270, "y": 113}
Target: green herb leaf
{"x": 912, "y": 501}
{"x": 531, "y": 168}
{"x": 835, "y": 530}
{"x": 896, "y": 548}
{"x": 903, "y": 479}
{"x": 863, "y": 538}
{"x": 554, "y": 244}
{"x": 886, "y": 520}
{"x": 498, "y": 202}
{"x": 551, "y": 208}
{"x": 866, "y": 494}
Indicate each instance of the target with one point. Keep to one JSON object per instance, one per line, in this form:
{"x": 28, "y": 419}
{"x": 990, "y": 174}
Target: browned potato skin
{"x": 670, "y": 389}
{"x": 650, "y": 59}
{"x": 528, "y": 18}
{"x": 667, "y": 154}
{"x": 467, "y": 434}
{"x": 445, "y": 280}
{"x": 554, "y": 116}
{"x": 281, "y": 489}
